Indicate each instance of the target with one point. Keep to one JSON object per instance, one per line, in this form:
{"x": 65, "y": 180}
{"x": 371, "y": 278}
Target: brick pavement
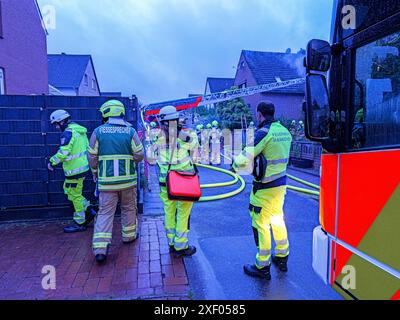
{"x": 142, "y": 270}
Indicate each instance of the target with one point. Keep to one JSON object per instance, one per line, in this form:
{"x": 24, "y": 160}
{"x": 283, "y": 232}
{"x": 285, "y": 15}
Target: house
{"x": 257, "y": 68}
{"x": 23, "y": 49}
{"x": 73, "y": 75}
{"x": 216, "y": 85}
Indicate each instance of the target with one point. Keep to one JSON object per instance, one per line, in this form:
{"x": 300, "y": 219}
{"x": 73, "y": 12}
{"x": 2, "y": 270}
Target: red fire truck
{"x": 353, "y": 108}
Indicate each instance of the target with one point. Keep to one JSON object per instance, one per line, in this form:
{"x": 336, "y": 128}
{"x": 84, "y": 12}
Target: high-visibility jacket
{"x": 181, "y": 161}
{"x": 114, "y": 150}
{"x": 73, "y": 151}
{"x": 273, "y": 141}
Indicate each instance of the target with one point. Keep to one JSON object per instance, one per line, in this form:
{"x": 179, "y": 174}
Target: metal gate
{"x": 27, "y": 141}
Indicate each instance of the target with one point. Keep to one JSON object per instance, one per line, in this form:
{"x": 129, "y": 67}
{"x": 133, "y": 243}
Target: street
{"x": 222, "y": 232}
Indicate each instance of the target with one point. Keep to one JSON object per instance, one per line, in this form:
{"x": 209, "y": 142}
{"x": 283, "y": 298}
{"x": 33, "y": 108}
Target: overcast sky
{"x": 165, "y": 49}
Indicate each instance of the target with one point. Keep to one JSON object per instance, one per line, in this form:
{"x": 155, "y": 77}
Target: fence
{"x": 27, "y": 141}
{"x": 306, "y": 150}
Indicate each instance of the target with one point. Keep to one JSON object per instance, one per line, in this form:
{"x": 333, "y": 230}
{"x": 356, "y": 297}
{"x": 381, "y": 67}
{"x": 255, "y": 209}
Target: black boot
{"x": 75, "y": 228}
{"x": 90, "y": 214}
{"x": 281, "y": 263}
{"x": 172, "y": 249}
{"x": 253, "y": 271}
{"x": 185, "y": 253}
{"x": 101, "y": 258}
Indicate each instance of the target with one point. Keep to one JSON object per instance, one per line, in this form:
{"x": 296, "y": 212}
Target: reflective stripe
{"x": 100, "y": 245}
{"x": 278, "y": 161}
{"x": 282, "y": 252}
{"x": 83, "y": 154}
{"x": 64, "y": 153}
{"x": 93, "y": 152}
{"x": 116, "y": 179}
{"x": 132, "y": 228}
{"x": 181, "y": 245}
{"x": 265, "y": 253}
{"x": 102, "y": 235}
{"x": 129, "y": 234}
{"x": 262, "y": 264}
{"x": 171, "y": 231}
{"x": 282, "y": 242}
{"x": 79, "y": 217}
{"x": 86, "y": 204}
{"x": 55, "y": 160}
{"x": 117, "y": 186}
{"x": 182, "y": 235}
{"x": 274, "y": 177}
{"x": 116, "y": 169}
{"x": 76, "y": 171}
{"x": 116, "y": 157}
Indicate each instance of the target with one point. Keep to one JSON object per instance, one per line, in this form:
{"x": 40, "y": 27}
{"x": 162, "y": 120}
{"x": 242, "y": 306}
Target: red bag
{"x": 183, "y": 186}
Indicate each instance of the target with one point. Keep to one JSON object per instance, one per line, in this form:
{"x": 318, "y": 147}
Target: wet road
{"x": 222, "y": 232}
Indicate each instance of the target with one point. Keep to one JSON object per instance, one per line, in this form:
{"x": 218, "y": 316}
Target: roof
{"x": 54, "y": 91}
{"x": 266, "y": 67}
{"x": 67, "y": 71}
{"x": 220, "y": 84}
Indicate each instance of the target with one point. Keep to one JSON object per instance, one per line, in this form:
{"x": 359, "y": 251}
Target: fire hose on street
{"x": 243, "y": 185}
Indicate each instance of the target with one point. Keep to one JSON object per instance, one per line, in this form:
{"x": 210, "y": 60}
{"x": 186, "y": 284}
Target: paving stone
{"x": 140, "y": 270}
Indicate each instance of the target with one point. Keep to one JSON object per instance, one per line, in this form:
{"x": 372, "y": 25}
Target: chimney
{"x": 288, "y": 51}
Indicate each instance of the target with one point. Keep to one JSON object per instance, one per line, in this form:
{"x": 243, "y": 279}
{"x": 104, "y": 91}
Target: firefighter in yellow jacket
{"x": 73, "y": 155}
{"x": 114, "y": 151}
{"x": 177, "y": 213}
{"x": 271, "y": 150}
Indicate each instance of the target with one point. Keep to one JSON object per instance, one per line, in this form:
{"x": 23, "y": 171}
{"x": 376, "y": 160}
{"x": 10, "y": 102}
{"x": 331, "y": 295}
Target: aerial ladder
{"x": 194, "y": 102}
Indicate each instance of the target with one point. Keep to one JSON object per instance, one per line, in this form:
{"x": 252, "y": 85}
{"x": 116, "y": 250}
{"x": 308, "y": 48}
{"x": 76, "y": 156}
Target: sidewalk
{"x": 143, "y": 270}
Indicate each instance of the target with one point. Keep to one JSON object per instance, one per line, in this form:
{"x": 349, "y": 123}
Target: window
{"x": 2, "y": 81}
{"x": 376, "y": 114}
{"x": 94, "y": 84}
{"x": 86, "y": 80}
{"x": 243, "y": 85}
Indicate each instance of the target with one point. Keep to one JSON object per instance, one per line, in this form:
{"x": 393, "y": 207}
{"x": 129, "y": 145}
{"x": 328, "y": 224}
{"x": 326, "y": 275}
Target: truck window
{"x": 376, "y": 116}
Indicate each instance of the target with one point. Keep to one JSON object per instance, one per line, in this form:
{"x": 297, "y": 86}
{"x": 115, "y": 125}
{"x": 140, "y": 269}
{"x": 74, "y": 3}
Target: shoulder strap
{"x": 172, "y": 154}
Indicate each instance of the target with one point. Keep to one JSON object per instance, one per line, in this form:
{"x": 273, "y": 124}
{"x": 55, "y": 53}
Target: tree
{"x": 231, "y": 112}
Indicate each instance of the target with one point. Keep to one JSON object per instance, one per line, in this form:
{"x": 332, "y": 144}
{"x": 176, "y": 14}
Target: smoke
{"x": 296, "y": 61}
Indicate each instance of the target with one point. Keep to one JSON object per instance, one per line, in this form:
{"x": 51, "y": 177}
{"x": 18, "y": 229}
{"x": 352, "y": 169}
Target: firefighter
{"x": 271, "y": 151}
{"x": 215, "y": 140}
{"x": 73, "y": 155}
{"x": 114, "y": 151}
{"x": 177, "y": 213}
{"x": 206, "y": 144}
{"x": 198, "y": 153}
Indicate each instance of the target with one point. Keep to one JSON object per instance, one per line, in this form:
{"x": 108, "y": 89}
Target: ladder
{"x": 194, "y": 102}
